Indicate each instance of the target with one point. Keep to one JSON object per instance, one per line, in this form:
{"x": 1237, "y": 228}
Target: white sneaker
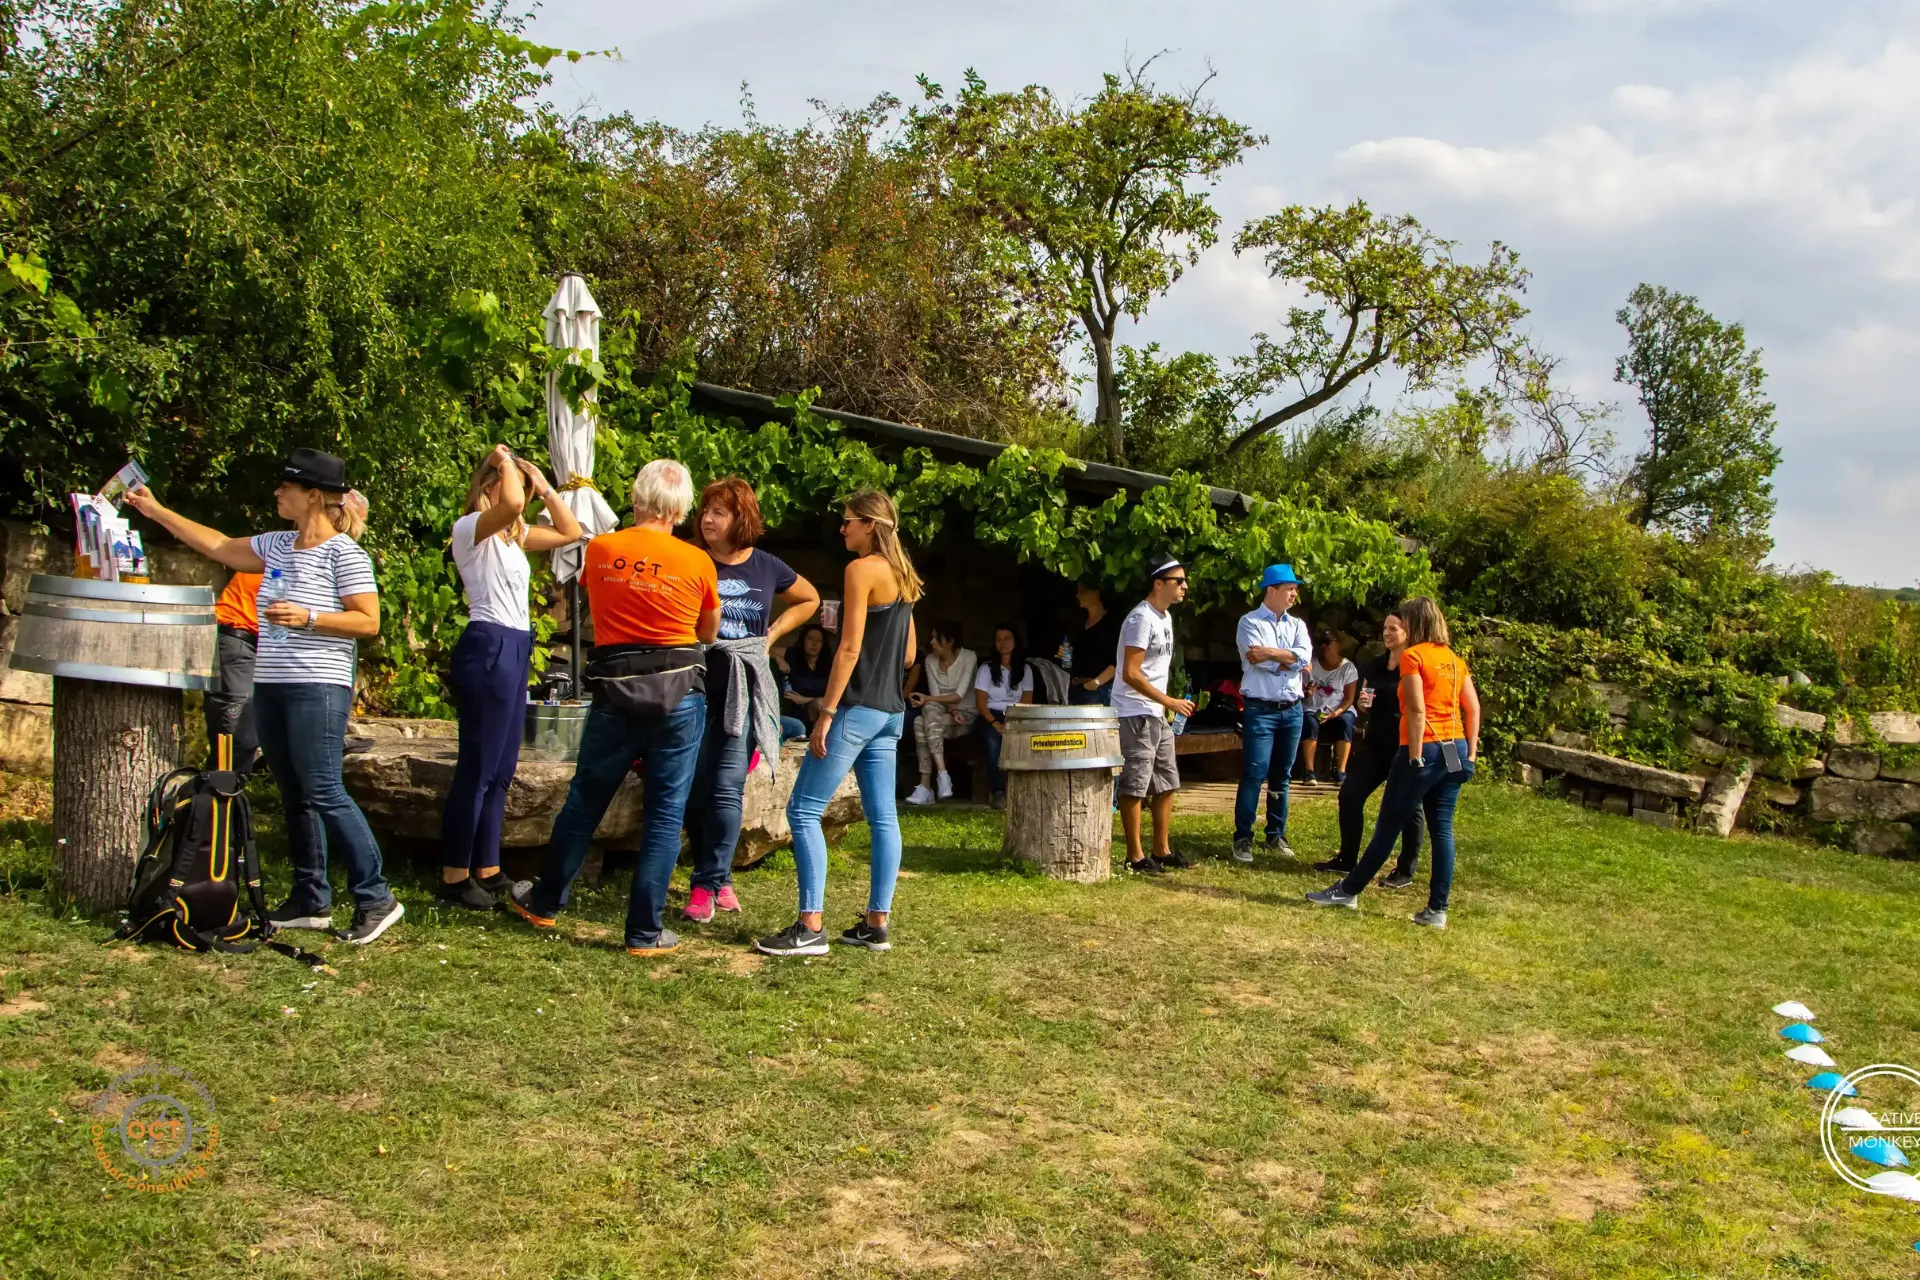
{"x": 920, "y": 795}
{"x": 943, "y": 784}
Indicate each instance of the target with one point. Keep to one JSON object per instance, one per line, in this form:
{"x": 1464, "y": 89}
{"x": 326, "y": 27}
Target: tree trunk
{"x": 111, "y": 742}
{"x": 1062, "y": 822}
{"x": 1106, "y": 411}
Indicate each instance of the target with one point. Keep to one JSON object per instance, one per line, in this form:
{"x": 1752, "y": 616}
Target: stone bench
{"x": 401, "y": 782}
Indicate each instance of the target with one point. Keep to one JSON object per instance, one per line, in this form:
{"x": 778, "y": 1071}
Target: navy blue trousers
{"x": 490, "y": 688}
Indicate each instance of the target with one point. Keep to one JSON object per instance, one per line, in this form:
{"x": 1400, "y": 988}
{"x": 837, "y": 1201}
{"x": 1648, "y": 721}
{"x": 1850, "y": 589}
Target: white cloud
{"x": 1824, "y": 144}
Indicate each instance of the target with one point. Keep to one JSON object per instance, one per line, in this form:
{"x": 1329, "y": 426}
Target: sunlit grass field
{"x": 1196, "y": 1075}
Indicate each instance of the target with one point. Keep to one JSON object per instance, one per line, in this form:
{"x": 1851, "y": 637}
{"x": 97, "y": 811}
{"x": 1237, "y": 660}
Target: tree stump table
{"x": 1060, "y": 763}
{"x": 120, "y": 655}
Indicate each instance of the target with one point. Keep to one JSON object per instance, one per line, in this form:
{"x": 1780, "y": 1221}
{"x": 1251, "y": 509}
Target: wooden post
{"x": 1062, "y": 822}
{"x": 111, "y": 743}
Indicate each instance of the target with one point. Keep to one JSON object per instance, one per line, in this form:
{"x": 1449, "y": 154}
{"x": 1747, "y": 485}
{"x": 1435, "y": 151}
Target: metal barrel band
{"x": 77, "y": 613}
{"x": 47, "y": 584}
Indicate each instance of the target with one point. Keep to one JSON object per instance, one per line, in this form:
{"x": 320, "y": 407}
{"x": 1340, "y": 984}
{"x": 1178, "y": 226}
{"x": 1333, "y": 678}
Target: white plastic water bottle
{"x": 273, "y": 591}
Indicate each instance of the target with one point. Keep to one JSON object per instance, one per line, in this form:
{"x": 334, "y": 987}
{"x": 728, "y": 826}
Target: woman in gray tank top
{"x": 858, "y": 728}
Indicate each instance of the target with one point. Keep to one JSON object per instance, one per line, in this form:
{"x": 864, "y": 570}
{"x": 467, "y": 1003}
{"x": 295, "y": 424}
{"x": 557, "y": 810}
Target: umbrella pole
{"x": 573, "y": 612}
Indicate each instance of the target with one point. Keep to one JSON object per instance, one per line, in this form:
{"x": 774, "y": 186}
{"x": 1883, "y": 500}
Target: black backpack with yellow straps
{"x": 197, "y": 883}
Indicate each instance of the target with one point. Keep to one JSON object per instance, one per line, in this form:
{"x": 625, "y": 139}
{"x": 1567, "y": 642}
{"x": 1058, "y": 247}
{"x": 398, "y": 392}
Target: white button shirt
{"x": 1269, "y": 680}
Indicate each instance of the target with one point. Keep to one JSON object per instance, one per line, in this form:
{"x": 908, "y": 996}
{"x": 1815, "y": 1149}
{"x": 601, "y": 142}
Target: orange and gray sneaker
{"x": 519, "y": 901}
{"x": 663, "y": 942}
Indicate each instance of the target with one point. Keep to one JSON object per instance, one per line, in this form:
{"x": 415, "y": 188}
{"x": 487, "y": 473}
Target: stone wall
{"x": 1859, "y": 791}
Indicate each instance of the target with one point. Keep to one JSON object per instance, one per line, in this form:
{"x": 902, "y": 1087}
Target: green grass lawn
{"x": 1193, "y": 1076}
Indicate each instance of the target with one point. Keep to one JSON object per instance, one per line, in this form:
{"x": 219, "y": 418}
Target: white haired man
{"x": 654, "y": 599}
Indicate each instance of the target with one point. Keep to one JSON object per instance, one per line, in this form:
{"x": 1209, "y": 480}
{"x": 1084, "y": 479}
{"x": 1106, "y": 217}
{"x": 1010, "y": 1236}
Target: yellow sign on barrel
{"x": 1058, "y": 741}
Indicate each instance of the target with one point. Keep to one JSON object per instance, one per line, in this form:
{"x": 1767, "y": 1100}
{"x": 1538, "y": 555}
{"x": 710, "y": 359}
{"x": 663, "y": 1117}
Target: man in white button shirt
{"x": 1274, "y": 651}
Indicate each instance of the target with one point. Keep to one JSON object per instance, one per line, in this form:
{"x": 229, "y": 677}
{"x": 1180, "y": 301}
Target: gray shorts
{"x": 1146, "y": 746}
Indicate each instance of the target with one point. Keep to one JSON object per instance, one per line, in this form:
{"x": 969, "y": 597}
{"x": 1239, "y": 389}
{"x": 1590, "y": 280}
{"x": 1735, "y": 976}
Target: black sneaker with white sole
{"x": 1396, "y": 879}
{"x": 1172, "y": 861}
{"x": 289, "y": 915}
{"x": 866, "y": 935}
{"x": 370, "y": 922}
{"x": 1146, "y": 867}
{"x": 794, "y": 940}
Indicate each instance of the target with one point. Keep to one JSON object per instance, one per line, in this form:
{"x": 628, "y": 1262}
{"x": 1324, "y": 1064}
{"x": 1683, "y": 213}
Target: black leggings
{"x": 1366, "y": 770}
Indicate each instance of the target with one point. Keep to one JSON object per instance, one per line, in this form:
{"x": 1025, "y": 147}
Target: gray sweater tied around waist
{"x": 757, "y": 714}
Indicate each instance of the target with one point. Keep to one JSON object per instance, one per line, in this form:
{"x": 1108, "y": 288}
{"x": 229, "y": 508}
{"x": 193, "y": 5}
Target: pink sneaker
{"x": 728, "y": 902}
{"x": 699, "y": 905}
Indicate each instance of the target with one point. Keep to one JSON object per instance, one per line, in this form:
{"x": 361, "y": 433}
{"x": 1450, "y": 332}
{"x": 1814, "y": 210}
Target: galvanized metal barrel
{"x": 553, "y": 730}
{"x": 117, "y": 632}
{"x": 1054, "y": 739}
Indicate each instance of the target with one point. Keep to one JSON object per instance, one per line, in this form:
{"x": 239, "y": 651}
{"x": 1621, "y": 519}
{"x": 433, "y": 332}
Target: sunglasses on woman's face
{"x": 855, "y": 520}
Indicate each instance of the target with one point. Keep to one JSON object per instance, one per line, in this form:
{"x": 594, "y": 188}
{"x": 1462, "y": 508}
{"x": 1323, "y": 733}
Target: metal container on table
{"x": 117, "y": 632}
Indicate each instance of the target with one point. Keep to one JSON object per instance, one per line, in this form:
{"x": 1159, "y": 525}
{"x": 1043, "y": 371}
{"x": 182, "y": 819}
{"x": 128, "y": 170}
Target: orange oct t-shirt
{"x": 238, "y": 606}
{"x": 1442, "y": 674}
{"x": 647, "y": 587}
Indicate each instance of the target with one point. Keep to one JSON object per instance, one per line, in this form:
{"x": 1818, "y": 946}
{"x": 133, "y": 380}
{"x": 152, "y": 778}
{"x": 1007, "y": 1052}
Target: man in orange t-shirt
{"x": 229, "y": 709}
{"x": 646, "y": 587}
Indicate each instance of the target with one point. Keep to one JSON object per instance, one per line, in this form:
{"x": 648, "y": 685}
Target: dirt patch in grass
{"x": 117, "y": 1058}
{"x": 1287, "y": 1183}
{"x": 21, "y": 1003}
{"x": 742, "y": 964}
{"x": 1534, "y": 1199}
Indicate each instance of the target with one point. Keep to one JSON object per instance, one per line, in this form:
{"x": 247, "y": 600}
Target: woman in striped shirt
{"x": 317, "y": 598}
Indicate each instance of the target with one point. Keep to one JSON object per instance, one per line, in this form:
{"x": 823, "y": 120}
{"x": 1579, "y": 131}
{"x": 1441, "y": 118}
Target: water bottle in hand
{"x": 273, "y": 591}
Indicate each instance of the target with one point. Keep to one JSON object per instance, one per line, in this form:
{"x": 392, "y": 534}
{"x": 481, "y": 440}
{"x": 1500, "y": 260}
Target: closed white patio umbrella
{"x": 573, "y": 326}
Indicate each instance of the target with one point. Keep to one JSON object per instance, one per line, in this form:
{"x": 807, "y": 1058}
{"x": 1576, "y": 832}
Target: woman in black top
{"x": 806, "y": 664}
{"x": 857, "y": 728}
{"x": 1095, "y": 645}
{"x": 1372, "y": 757}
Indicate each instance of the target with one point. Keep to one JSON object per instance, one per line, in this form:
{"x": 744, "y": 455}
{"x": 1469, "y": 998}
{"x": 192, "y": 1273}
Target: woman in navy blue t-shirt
{"x": 761, "y": 599}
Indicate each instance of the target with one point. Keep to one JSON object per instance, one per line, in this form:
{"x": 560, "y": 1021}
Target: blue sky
{"x": 1758, "y": 154}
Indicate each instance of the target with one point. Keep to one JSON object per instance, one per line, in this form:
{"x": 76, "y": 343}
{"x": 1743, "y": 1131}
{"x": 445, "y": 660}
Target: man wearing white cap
{"x": 1145, "y": 660}
{"x": 1274, "y": 652}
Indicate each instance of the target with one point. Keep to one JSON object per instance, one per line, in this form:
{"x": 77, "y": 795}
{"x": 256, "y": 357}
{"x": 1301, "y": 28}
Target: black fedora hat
{"x": 316, "y": 470}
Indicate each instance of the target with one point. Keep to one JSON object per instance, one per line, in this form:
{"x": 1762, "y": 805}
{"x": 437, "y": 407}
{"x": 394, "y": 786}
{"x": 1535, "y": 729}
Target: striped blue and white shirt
{"x": 317, "y": 578}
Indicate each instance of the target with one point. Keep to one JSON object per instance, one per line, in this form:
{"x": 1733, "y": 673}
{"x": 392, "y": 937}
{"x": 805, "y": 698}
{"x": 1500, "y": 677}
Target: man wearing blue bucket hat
{"x": 1274, "y": 650}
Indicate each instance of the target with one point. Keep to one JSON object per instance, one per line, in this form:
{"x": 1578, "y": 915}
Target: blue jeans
{"x": 792, "y": 728}
{"x": 302, "y": 729}
{"x": 611, "y": 742}
{"x": 1431, "y": 789}
{"x": 990, "y": 744}
{"x": 868, "y": 742}
{"x": 490, "y": 688}
{"x": 1101, "y": 697}
{"x": 713, "y": 820}
{"x": 1269, "y": 740}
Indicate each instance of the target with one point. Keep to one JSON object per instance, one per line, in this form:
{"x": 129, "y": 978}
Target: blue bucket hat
{"x": 1277, "y": 575}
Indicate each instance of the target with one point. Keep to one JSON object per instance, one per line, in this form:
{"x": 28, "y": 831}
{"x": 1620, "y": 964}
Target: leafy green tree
{"x": 1383, "y": 291}
{"x": 1709, "y": 461}
{"x": 1098, "y": 198}
{"x": 828, "y": 255}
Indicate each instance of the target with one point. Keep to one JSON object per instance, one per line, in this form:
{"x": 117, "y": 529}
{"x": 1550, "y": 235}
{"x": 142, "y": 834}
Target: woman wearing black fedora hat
{"x": 316, "y": 599}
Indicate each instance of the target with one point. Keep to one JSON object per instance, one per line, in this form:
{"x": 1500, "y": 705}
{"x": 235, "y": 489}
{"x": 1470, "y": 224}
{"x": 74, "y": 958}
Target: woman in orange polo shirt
{"x": 1440, "y": 734}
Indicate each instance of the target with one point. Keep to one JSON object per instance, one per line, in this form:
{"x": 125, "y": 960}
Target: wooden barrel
{"x": 120, "y": 653}
{"x": 117, "y": 633}
{"x": 1060, "y": 763}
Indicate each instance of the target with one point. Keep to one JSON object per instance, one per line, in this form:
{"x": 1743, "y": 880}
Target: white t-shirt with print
{"x": 317, "y": 578}
{"x": 994, "y": 685}
{"x": 495, "y": 574}
{"x": 1327, "y": 687}
{"x": 1151, "y": 631}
